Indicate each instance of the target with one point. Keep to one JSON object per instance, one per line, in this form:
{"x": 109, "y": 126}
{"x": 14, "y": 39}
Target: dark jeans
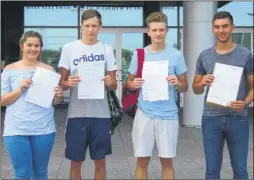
{"x": 233, "y": 129}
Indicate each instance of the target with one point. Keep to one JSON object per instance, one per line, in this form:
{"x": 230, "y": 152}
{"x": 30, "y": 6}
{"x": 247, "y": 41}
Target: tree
{"x": 126, "y": 59}
{"x": 51, "y": 57}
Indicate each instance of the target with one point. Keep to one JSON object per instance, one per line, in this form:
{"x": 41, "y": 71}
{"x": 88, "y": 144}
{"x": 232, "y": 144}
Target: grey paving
{"x": 189, "y": 163}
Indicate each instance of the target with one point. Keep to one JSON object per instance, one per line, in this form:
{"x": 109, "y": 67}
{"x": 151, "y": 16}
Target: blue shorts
{"x": 83, "y": 132}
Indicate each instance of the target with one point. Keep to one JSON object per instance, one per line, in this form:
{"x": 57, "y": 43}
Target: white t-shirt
{"x": 75, "y": 52}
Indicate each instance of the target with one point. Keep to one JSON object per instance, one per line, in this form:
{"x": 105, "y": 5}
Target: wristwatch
{"x": 246, "y": 105}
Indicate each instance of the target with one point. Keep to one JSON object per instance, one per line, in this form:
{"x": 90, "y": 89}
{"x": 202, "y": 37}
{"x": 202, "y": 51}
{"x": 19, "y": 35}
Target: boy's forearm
{"x": 64, "y": 84}
{"x": 249, "y": 97}
{"x": 113, "y": 86}
{"x": 182, "y": 87}
{"x": 198, "y": 88}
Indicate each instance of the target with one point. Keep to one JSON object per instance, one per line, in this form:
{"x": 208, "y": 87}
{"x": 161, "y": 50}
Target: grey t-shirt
{"x": 240, "y": 57}
{"x": 72, "y": 54}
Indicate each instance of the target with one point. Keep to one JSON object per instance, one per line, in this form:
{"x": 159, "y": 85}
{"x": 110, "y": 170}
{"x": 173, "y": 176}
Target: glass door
{"x": 110, "y": 36}
{"x": 124, "y": 42}
{"x": 130, "y": 41}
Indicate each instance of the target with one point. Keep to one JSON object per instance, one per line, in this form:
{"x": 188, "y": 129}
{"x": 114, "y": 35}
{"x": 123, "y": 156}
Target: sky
{"x": 54, "y": 38}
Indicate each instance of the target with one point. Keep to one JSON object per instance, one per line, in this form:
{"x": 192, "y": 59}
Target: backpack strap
{"x": 141, "y": 58}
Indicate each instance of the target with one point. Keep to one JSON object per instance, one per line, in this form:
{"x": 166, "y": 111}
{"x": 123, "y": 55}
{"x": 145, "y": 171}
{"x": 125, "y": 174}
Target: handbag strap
{"x": 141, "y": 58}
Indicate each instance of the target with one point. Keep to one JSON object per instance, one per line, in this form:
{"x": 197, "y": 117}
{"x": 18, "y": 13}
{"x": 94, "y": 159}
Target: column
{"x": 197, "y": 36}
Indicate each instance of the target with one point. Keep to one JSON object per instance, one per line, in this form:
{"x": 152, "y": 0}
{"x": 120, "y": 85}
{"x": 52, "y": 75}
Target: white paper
{"x": 91, "y": 85}
{"x": 146, "y": 87}
{"x": 155, "y": 86}
{"x": 41, "y": 91}
{"x": 225, "y": 86}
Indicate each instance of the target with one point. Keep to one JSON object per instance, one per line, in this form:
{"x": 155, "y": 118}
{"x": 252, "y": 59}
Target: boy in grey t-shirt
{"x": 88, "y": 123}
{"x": 225, "y": 123}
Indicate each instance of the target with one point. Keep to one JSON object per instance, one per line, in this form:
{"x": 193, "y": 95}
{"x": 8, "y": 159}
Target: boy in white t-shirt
{"x": 88, "y": 121}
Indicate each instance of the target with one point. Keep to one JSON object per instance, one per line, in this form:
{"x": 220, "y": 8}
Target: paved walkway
{"x": 189, "y": 163}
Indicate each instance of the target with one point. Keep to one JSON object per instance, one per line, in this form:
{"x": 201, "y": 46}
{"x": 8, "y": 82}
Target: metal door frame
{"x": 118, "y": 44}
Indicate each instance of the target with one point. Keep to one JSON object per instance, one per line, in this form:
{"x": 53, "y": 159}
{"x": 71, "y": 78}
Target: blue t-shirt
{"x": 164, "y": 109}
{"x": 21, "y": 117}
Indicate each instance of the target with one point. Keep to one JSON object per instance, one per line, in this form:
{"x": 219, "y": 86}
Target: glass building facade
{"x": 123, "y": 27}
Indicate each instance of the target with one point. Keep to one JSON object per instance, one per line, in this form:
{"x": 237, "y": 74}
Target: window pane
{"x": 171, "y": 39}
{"x": 171, "y": 12}
{"x": 119, "y": 16}
{"x": 242, "y": 12}
{"x": 53, "y": 41}
{"x": 130, "y": 42}
{"x": 108, "y": 38}
{"x": 244, "y": 39}
{"x": 11, "y": 44}
{"x": 181, "y": 15}
{"x": 50, "y": 16}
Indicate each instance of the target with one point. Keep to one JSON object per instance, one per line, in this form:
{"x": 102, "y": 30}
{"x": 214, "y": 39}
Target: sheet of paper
{"x": 91, "y": 85}
{"x": 225, "y": 86}
{"x": 146, "y": 86}
{"x": 155, "y": 87}
{"x": 41, "y": 91}
{"x": 160, "y": 91}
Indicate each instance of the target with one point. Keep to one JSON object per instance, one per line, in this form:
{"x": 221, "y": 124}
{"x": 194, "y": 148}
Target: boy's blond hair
{"x": 156, "y": 17}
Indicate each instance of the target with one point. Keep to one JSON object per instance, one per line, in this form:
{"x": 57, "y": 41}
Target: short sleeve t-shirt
{"x": 72, "y": 54}
{"x": 163, "y": 109}
{"x": 240, "y": 57}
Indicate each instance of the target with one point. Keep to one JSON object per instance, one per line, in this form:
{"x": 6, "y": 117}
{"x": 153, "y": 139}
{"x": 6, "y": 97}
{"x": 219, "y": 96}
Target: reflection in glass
{"x": 181, "y": 15}
{"x": 130, "y": 42}
{"x": 51, "y": 16}
{"x": 242, "y": 12}
{"x": 108, "y": 38}
{"x": 171, "y": 12}
{"x": 53, "y": 41}
{"x": 171, "y": 39}
{"x": 244, "y": 39}
{"x": 124, "y": 16}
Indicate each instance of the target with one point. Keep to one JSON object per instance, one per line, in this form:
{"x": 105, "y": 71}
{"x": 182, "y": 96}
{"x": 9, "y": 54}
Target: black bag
{"x": 115, "y": 110}
{"x": 114, "y": 105}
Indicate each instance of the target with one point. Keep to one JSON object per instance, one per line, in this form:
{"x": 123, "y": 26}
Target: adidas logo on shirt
{"x": 90, "y": 58}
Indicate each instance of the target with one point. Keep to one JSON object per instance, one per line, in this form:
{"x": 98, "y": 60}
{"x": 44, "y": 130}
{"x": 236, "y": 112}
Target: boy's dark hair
{"x": 91, "y": 13}
{"x": 223, "y": 15}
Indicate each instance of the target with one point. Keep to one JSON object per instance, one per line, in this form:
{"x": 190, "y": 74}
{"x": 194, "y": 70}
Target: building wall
{"x": 58, "y": 22}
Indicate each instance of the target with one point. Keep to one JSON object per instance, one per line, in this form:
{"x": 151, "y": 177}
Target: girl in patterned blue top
{"x": 29, "y": 130}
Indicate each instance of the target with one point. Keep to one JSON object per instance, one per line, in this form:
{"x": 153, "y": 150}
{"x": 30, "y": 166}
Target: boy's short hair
{"x": 223, "y": 15}
{"x": 91, "y": 13}
{"x": 156, "y": 17}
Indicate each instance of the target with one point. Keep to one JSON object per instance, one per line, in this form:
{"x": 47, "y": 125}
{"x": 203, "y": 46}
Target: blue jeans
{"x": 30, "y": 155}
{"x": 233, "y": 129}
